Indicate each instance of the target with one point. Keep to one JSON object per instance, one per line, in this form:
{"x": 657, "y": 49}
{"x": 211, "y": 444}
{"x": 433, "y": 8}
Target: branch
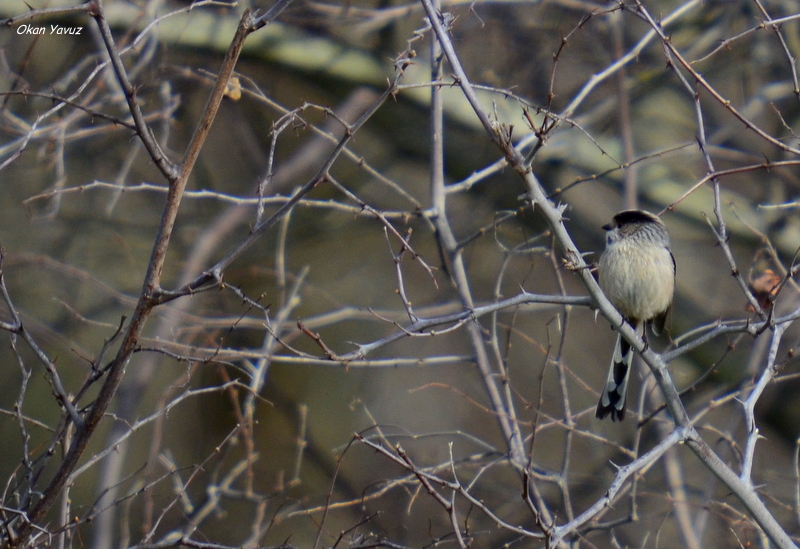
{"x": 155, "y": 268}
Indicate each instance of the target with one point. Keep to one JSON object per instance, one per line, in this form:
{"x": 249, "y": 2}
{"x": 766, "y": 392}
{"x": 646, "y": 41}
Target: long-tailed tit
{"x": 637, "y": 274}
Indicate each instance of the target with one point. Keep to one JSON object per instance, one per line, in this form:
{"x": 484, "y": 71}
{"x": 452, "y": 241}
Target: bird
{"x": 637, "y": 274}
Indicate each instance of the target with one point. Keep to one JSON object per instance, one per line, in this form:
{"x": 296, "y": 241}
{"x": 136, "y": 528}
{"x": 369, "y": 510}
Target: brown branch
{"x": 179, "y": 179}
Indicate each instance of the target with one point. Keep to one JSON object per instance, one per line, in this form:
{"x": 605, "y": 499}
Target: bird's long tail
{"x": 615, "y": 391}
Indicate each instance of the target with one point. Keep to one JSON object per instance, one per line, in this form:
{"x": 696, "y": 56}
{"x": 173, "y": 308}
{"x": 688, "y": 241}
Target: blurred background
{"x": 80, "y": 202}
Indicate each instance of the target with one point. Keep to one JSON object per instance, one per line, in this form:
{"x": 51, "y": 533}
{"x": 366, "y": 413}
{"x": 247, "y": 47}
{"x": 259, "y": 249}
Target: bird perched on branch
{"x": 637, "y": 274}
